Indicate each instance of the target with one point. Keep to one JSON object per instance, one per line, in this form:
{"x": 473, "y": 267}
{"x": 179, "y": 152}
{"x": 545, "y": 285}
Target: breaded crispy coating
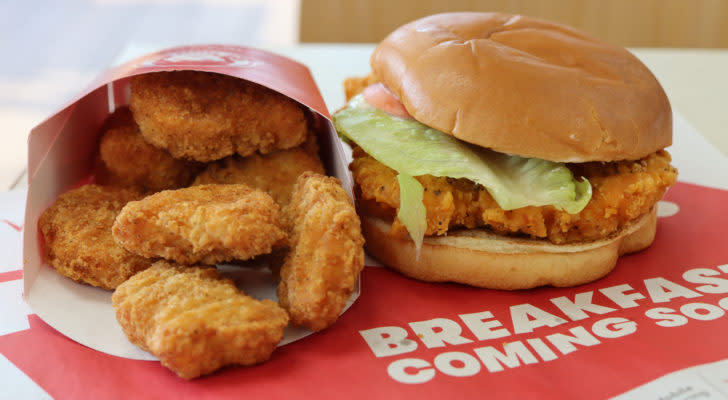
{"x": 355, "y": 85}
{"x": 326, "y": 253}
{"x": 621, "y": 192}
{"x": 77, "y": 234}
{"x": 202, "y": 224}
{"x": 310, "y": 145}
{"x": 274, "y": 173}
{"x": 196, "y": 322}
{"x": 205, "y": 116}
{"x": 132, "y": 162}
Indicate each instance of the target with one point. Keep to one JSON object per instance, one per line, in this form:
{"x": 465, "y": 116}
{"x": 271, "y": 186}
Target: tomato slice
{"x": 380, "y": 97}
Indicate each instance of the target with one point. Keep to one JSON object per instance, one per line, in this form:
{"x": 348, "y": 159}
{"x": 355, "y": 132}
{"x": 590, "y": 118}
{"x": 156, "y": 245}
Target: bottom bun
{"x": 481, "y": 258}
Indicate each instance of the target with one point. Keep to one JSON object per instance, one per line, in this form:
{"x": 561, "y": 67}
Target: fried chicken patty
{"x": 205, "y": 116}
{"x": 355, "y": 85}
{"x": 622, "y": 191}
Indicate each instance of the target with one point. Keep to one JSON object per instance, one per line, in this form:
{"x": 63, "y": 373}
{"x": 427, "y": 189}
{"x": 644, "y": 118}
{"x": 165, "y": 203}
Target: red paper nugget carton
{"x": 62, "y": 151}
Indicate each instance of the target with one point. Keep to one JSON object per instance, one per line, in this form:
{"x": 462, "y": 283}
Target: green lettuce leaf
{"x": 414, "y": 149}
{"x": 414, "y": 215}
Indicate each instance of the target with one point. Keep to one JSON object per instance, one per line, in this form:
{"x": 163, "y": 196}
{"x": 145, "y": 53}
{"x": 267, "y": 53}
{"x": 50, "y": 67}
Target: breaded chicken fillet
{"x": 622, "y": 191}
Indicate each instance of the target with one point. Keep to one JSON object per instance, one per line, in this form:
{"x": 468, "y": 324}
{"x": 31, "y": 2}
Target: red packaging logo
{"x": 205, "y": 56}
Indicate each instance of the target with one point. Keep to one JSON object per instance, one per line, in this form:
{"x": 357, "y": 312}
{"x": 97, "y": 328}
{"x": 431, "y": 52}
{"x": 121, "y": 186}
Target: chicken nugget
{"x": 320, "y": 271}
{"x": 196, "y": 322}
{"x": 205, "y": 116}
{"x": 132, "y": 162}
{"x": 76, "y": 229}
{"x": 274, "y": 173}
{"x": 311, "y": 146}
{"x": 202, "y": 224}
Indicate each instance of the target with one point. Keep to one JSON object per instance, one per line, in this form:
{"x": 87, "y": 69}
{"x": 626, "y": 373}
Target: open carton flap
{"x": 61, "y": 151}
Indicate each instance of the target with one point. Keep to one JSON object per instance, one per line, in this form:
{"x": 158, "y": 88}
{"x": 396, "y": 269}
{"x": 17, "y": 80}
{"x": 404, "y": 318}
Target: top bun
{"x": 525, "y": 86}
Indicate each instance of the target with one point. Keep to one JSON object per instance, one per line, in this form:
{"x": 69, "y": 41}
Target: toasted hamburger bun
{"x": 479, "y": 258}
{"x": 525, "y": 86}
{"x": 529, "y": 87}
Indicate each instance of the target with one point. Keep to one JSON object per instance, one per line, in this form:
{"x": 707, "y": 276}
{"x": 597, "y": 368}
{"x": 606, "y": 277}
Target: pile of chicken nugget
{"x": 202, "y": 169}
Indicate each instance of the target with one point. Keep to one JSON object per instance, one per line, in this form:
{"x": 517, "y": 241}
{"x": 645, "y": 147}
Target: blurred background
{"x": 630, "y": 23}
{"x": 50, "y": 49}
